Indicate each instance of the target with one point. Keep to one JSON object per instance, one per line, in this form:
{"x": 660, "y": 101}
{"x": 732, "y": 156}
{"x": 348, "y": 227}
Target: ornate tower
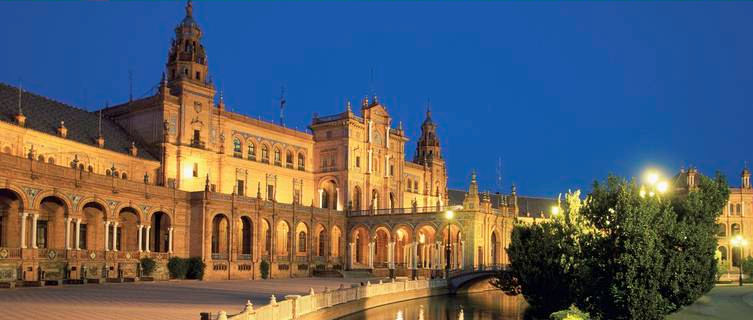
{"x": 428, "y": 148}
{"x": 187, "y": 59}
{"x": 745, "y": 176}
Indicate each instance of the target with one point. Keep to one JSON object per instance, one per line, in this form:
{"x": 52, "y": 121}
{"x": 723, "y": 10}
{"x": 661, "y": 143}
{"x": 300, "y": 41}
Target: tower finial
{"x": 189, "y": 9}
{"x": 428, "y": 107}
{"x": 348, "y": 108}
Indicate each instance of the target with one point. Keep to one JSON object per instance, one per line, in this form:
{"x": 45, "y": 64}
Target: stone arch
{"x": 282, "y": 237}
{"x": 265, "y": 150}
{"x": 129, "y": 219}
{"x": 237, "y": 145}
{"x": 50, "y": 228}
{"x": 251, "y": 146}
{"x": 382, "y": 239}
{"x": 289, "y": 157}
{"x": 220, "y": 236}
{"x": 159, "y": 238}
{"x": 301, "y": 237}
{"x": 246, "y": 235}
{"x": 301, "y": 159}
{"x": 403, "y": 235}
{"x": 120, "y": 207}
{"x": 51, "y": 193}
{"x": 265, "y": 238}
{"x": 357, "y": 198}
{"x": 335, "y": 241}
{"x": 93, "y": 214}
{"x": 8, "y": 150}
{"x": 94, "y": 199}
{"x": 277, "y": 153}
{"x": 426, "y": 237}
{"x": 360, "y": 238}
{"x": 12, "y": 203}
{"x": 328, "y": 198}
{"x": 321, "y": 239}
{"x": 494, "y": 242}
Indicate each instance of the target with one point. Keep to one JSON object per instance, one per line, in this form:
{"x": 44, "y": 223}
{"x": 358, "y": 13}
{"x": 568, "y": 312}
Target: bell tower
{"x": 427, "y": 149}
{"x": 187, "y": 60}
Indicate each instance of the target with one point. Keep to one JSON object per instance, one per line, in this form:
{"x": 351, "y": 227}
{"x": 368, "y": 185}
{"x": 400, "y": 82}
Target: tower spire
{"x": 189, "y": 9}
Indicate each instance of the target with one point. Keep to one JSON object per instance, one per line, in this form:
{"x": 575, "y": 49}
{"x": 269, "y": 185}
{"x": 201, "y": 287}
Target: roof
{"x": 536, "y": 206}
{"x": 44, "y": 115}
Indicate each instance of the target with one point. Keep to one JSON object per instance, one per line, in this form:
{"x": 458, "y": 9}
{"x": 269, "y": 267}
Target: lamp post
{"x": 656, "y": 185}
{"x": 448, "y": 215}
{"x": 740, "y": 242}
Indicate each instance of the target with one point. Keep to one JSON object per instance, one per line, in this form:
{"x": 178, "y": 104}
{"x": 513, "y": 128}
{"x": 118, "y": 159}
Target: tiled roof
{"x": 44, "y": 115}
{"x": 537, "y": 207}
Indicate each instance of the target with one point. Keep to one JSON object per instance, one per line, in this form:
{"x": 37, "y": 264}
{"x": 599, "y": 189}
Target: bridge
{"x": 465, "y": 278}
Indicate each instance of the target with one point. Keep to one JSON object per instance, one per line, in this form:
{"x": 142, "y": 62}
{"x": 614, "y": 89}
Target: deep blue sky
{"x": 564, "y": 93}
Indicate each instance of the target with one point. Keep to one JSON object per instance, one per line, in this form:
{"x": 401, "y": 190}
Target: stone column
{"x": 390, "y": 253}
{"x": 141, "y": 235}
{"x": 369, "y": 160}
{"x": 462, "y": 254}
{"x": 148, "y": 228}
{"x": 372, "y": 246}
{"x": 34, "y": 218}
{"x": 414, "y": 257}
{"x": 338, "y": 207}
{"x": 321, "y": 199}
{"x": 23, "y": 229}
{"x": 170, "y": 240}
{"x": 107, "y": 235}
{"x": 78, "y": 233}
{"x": 67, "y": 232}
{"x": 115, "y": 236}
{"x": 351, "y": 254}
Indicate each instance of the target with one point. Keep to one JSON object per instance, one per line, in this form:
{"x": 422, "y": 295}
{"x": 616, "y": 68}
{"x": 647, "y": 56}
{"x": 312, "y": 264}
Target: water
{"x": 474, "y": 306}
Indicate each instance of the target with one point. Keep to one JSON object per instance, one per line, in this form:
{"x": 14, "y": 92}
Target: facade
{"x": 84, "y": 195}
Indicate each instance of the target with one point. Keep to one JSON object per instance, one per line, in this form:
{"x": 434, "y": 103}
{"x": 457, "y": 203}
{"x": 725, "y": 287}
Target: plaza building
{"x": 85, "y": 195}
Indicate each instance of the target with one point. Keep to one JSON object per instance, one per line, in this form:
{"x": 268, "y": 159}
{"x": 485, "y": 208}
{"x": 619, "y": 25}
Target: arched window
{"x": 278, "y": 157}
{"x": 289, "y": 159}
{"x": 51, "y": 160}
{"x": 264, "y": 154}
{"x": 108, "y": 172}
{"x": 301, "y": 162}
{"x": 322, "y": 242}
{"x": 739, "y": 209}
{"x": 415, "y": 186}
{"x": 409, "y": 186}
{"x": 325, "y": 199}
{"x": 246, "y": 236}
{"x": 124, "y": 176}
{"x": 302, "y": 241}
{"x": 237, "y": 152}
{"x": 723, "y": 251}
{"x": 90, "y": 169}
{"x": 721, "y": 230}
{"x": 40, "y": 158}
{"x": 735, "y": 229}
{"x": 6, "y": 150}
{"x": 251, "y": 151}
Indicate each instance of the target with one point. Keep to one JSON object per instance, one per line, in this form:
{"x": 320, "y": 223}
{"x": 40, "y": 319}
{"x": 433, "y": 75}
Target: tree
{"x": 622, "y": 254}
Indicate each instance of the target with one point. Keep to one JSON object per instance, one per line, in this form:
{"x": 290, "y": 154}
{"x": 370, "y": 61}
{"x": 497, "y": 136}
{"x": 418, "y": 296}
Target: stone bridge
{"x": 466, "y": 279}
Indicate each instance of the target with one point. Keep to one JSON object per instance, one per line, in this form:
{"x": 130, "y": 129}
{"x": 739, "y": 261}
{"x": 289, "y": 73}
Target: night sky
{"x": 563, "y": 93}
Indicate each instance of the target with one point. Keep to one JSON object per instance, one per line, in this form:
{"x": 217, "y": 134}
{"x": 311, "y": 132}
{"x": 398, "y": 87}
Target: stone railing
{"x": 295, "y": 306}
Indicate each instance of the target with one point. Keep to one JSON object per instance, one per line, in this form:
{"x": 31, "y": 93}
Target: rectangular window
{"x": 195, "y": 170}
{"x": 41, "y": 234}
{"x": 392, "y": 170}
{"x": 241, "y": 189}
{"x": 82, "y": 237}
{"x": 270, "y": 192}
{"x": 196, "y": 135}
{"x": 358, "y": 161}
{"x": 297, "y": 196}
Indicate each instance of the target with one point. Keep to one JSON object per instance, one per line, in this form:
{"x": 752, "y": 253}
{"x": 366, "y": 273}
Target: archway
{"x": 282, "y": 236}
{"x": 381, "y": 251}
{"x": 160, "y": 237}
{"x": 328, "y": 192}
{"x": 321, "y": 240}
{"x": 403, "y": 239}
{"x": 246, "y": 237}
{"x": 301, "y": 231}
{"x": 127, "y": 231}
{"x": 495, "y": 248}
{"x": 266, "y": 245}
{"x": 336, "y": 241}
{"x": 455, "y": 245}
{"x": 360, "y": 236}
{"x": 426, "y": 236}
{"x": 11, "y": 205}
{"x": 357, "y": 199}
{"x": 220, "y": 233}
{"x": 50, "y": 225}
{"x": 94, "y": 215}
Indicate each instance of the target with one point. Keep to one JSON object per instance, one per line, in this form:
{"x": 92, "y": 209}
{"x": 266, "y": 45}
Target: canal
{"x": 474, "y": 306}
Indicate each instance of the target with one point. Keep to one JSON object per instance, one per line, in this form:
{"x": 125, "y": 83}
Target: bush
{"x": 147, "y": 266}
{"x": 264, "y": 269}
{"x": 178, "y": 267}
{"x": 572, "y": 313}
{"x": 748, "y": 266}
{"x": 195, "y": 269}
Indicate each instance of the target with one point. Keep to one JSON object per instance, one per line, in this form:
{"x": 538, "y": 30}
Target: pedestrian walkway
{"x": 723, "y": 302}
{"x": 179, "y": 300}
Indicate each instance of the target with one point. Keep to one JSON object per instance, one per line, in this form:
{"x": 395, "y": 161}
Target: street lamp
{"x": 655, "y": 184}
{"x": 555, "y": 211}
{"x": 740, "y": 242}
{"x": 448, "y": 215}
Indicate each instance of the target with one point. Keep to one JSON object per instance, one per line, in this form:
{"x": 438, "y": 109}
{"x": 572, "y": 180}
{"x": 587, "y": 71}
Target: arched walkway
{"x": 127, "y": 232}
{"x": 161, "y": 229}
{"x": 266, "y": 240}
{"x": 246, "y": 237}
{"x": 381, "y": 251}
{"x": 329, "y": 195}
{"x": 220, "y": 237}
{"x": 282, "y": 238}
{"x": 336, "y": 241}
{"x": 403, "y": 241}
{"x": 455, "y": 243}
{"x": 495, "y": 248}
{"x": 11, "y": 205}
{"x": 301, "y": 231}
{"x": 426, "y": 236}
{"x": 360, "y": 246}
{"x": 321, "y": 239}
{"x": 49, "y": 229}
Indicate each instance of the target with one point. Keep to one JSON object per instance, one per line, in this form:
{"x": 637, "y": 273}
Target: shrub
{"x": 178, "y": 267}
{"x": 572, "y": 313}
{"x": 147, "y": 266}
{"x": 195, "y": 269}
{"x": 748, "y": 266}
{"x": 264, "y": 269}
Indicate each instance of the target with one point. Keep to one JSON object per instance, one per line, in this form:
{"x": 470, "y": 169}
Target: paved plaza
{"x": 722, "y": 302}
{"x": 180, "y": 300}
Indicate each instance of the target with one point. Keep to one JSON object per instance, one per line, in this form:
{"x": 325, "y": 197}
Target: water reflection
{"x": 475, "y": 306}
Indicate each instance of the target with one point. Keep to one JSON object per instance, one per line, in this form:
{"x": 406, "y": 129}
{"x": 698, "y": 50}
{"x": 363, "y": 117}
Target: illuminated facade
{"x": 84, "y": 195}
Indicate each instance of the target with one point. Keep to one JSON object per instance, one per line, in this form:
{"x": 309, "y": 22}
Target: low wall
{"x": 332, "y": 304}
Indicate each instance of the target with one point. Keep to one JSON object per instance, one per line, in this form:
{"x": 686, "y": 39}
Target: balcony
{"x": 244, "y": 256}
{"x": 219, "y": 256}
{"x": 198, "y": 144}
